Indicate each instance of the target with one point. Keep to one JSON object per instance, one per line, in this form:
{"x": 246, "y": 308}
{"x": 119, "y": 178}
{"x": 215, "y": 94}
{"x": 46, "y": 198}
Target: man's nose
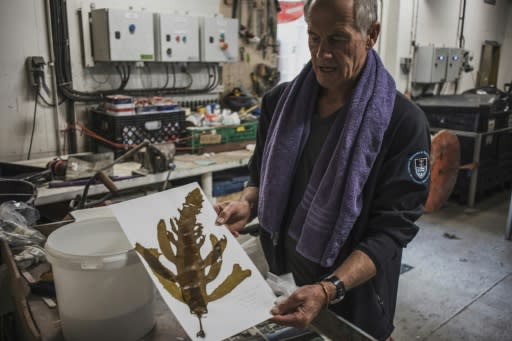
{"x": 324, "y": 50}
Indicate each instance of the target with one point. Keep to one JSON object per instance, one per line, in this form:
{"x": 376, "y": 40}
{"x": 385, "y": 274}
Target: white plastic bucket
{"x": 103, "y": 291}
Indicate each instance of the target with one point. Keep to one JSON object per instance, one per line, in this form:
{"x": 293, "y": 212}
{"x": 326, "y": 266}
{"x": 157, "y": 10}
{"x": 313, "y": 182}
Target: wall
{"x": 19, "y": 40}
{"x": 23, "y": 34}
{"x": 437, "y": 23}
{"x": 505, "y": 74}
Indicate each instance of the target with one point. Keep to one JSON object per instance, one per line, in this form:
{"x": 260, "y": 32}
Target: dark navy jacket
{"x": 393, "y": 199}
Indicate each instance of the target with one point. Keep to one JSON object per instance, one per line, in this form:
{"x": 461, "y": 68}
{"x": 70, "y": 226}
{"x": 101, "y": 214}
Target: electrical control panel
{"x": 430, "y": 64}
{"x": 219, "y": 39}
{"x": 122, "y": 35}
{"x": 176, "y": 38}
{"x": 455, "y": 59}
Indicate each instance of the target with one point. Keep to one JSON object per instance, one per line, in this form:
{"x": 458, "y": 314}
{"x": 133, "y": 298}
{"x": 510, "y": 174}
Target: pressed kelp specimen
{"x": 182, "y": 246}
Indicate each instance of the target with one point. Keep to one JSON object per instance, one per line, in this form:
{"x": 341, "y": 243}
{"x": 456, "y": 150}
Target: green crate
{"x": 204, "y": 136}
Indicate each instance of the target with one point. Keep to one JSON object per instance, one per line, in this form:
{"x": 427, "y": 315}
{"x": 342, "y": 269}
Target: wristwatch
{"x": 340, "y": 288}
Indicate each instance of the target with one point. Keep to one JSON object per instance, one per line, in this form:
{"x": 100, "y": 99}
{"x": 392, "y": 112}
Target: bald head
{"x": 365, "y": 12}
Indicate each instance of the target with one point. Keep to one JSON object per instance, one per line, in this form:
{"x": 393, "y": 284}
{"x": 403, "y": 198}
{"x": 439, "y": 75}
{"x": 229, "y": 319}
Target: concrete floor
{"x": 458, "y": 289}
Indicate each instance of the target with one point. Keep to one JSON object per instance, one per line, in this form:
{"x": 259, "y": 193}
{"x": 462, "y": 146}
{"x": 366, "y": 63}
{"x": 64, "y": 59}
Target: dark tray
{"x": 16, "y": 171}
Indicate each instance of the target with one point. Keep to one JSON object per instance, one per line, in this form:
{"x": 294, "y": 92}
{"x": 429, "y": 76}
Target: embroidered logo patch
{"x": 418, "y": 167}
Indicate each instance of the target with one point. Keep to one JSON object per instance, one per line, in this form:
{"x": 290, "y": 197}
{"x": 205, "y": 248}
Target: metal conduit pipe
{"x": 51, "y": 64}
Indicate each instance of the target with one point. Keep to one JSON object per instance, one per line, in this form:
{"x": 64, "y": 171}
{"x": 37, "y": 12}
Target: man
{"x": 339, "y": 175}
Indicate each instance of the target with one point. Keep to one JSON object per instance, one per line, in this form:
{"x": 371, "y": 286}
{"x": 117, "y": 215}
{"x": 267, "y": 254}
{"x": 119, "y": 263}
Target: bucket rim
{"x": 55, "y": 255}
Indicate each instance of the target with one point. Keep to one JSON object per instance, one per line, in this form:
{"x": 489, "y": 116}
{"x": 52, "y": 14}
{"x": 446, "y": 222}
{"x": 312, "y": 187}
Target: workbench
{"x": 187, "y": 165}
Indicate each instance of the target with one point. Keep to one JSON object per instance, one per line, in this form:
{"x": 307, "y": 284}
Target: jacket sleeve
{"x": 402, "y": 182}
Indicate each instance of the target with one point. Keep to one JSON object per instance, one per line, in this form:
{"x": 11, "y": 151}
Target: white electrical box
{"x": 430, "y": 64}
{"x": 176, "y": 38}
{"x": 454, "y": 67}
{"x": 121, "y": 35}
{"x": 219, "y": 39}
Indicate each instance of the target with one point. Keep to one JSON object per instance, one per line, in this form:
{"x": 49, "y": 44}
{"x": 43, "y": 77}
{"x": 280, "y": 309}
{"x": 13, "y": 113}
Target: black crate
{"x": 490, "y": 178}
{"x": 467, "y": 121}
{"x": 505, "y": 146}
{"x": 134, "y": 129}
{"x": 468, "y": 112}
{"x": 506, "y": 170}
{"x": 128, "y": 130}
{"x": 488, "y": 149}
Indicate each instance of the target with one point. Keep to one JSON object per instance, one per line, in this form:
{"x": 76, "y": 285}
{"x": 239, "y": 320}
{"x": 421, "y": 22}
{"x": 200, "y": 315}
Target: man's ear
{"x": 373, "y": 34}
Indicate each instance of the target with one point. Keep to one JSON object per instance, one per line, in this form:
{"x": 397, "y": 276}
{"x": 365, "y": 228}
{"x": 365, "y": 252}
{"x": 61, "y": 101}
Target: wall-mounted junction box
{"x": 430, "y": 64}
{"x": 176, "y": 38}
{"x": 121, "y": 35}
{"x": 219, "y": 39}
{"x": 454, "y": 67}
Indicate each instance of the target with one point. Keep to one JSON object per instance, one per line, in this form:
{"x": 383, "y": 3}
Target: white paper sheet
{"x": 246, "y": 305}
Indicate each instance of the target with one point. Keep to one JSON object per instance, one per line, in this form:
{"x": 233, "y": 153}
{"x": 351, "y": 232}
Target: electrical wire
{"x": 173, "y": 76}
{"x": 47, "y": 102}
{"x": 167, "y": 76}
{"x": 33, "y": 124}
{"x": 216, "y": 76}
{"x": 208, "y": 85}
{"x": 191, "y": 79}
{"x": 96, "y": 80}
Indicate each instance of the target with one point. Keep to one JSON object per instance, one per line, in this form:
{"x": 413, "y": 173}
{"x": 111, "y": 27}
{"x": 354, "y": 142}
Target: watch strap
{"x": 340, "y": 288}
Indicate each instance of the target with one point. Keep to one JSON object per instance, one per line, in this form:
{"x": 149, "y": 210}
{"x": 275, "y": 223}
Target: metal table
{"x": 187, "y": 165}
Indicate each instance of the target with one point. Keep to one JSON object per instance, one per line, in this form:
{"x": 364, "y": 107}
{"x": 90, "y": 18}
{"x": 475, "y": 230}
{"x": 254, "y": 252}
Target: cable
{"x": 167, "y": 76}
{"x": 97, "y": 81}
{"x": 208, "y": 85}
{"x": 33, "y": 124}
{"x": 47, "y": 102}
{"x": 185, "y": 71}
{"x": 173, "y": 76}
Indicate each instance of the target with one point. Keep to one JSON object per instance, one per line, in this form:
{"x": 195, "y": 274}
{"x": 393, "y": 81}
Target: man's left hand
{"x": 301, "y": 307}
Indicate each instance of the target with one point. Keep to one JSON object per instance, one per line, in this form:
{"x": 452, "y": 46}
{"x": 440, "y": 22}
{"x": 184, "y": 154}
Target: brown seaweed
{"x": 182, "y": 246}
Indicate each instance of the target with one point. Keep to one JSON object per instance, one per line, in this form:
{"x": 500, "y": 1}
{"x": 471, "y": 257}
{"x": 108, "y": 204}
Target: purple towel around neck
{"x": 332, "y": 200}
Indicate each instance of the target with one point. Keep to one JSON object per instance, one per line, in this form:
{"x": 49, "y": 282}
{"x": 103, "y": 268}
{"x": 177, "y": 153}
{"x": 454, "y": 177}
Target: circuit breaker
{"x": 219, "y": 39}
{"x": 430, "y": 64}
{"x": 177, "y": 38}
{"x": 122, "y": 35}
{"x": 454, "y": 66}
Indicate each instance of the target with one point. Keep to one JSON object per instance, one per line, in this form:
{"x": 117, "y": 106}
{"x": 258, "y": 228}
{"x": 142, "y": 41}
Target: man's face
{"x": 338, "y": 50}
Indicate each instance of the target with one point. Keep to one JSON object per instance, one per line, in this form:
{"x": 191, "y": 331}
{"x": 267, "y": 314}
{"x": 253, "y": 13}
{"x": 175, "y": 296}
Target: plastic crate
{"x": 228, "y": 186}
{"x": 466, "y": 112}
{"x": 134, "y": 129}
{"x": 202, "y": 136}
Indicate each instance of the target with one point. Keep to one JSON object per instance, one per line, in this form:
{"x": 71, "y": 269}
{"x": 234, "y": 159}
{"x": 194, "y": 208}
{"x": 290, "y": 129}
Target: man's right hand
{"x": 234, "y": 214}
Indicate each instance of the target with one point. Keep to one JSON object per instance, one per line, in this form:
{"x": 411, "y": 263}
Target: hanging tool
{"x": 269, "y": 39}
{"x": 235, "y": 9}
{"x": 241, "y": 51}
{"x": 250, "y": 35}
